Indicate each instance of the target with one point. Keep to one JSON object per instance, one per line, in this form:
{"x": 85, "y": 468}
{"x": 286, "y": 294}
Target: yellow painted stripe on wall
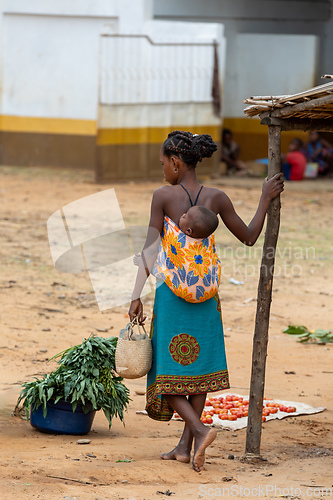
{"x": 245, "y": 125}
{"x": 9, "y": 123}
{"x": 253, "y": 126}
{"x": 252, "y": 137}
{"x": 147, "y": 135}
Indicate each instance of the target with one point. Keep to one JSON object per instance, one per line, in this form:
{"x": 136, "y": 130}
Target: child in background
{"x": 294, "y": 166}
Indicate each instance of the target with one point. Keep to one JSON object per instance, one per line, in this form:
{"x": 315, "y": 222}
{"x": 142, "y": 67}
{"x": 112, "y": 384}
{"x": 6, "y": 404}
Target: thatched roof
{"x": 315, "y": 103}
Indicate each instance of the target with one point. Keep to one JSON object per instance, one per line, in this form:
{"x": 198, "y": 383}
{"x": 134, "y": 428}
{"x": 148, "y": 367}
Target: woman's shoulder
{"x": 164, "y": 191}
{"x": 216, "y": 199}
{"x": 211, "y": 193}
{"x": 215, "y": 193}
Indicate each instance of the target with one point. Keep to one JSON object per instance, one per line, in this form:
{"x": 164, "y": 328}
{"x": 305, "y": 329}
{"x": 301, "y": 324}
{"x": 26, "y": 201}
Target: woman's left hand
{"x": 136, "y": 309}
{"x": 273, "y": 187}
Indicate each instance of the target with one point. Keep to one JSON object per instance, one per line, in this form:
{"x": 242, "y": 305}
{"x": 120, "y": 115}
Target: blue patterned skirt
{"x": 188, "y": 350}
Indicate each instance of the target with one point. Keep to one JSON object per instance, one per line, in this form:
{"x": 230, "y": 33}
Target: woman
{"x": 187, "y": 336}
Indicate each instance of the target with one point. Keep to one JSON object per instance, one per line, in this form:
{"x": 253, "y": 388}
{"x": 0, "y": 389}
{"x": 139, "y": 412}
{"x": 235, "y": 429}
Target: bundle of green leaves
{"x": 86, "y": 375}
{"x": 318, "y": 336}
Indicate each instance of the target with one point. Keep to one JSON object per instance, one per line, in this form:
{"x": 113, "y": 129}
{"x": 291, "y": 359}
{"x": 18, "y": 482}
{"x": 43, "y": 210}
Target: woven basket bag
{"x": 134, "y": 352}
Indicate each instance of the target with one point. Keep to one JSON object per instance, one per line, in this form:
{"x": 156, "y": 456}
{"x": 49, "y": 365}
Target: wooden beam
{"x": 300, "y": 107}
{"x": 260, "y": 339}
{"x": 304, "y": 124}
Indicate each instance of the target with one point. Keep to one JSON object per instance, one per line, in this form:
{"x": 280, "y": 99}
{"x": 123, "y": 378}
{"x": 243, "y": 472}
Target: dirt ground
{"x": 298, "y": 451}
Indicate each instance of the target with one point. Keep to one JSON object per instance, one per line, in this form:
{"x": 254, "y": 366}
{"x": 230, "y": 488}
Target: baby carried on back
{"x": 187, "y": 258}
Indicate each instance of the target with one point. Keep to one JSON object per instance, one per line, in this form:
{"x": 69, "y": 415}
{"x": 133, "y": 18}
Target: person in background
{"x": 320, "y": 151}
{"x": 294, "y": 162}
{"x": 230, "y": 153}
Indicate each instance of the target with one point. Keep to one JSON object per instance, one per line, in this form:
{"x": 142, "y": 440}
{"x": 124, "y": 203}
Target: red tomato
{"x": 208, "y": 403}
{"x": 228, "y": 398}
{"x": 239, "y": 414}
{"x": 264, "y": 419}
{"x": 204, "y": 420}
{"x": 209, "y": 420}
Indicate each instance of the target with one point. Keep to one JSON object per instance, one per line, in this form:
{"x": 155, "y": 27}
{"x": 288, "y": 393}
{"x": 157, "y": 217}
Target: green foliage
{"x": 86, "y": 375}
{"x": 318, "y": 336}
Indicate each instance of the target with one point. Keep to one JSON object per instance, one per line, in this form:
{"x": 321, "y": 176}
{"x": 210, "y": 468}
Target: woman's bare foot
{"x": 177, "y": 454}
{"x": 200, "y": 446}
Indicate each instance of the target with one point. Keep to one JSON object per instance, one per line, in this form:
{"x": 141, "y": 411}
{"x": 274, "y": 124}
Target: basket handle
{"x": 134, "y": 322}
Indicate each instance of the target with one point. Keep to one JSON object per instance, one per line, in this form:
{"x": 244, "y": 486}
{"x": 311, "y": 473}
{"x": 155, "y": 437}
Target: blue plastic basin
{"x": 60, "y": 419}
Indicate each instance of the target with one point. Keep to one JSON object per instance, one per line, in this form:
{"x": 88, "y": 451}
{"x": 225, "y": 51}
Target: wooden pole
{"x": 260, "y": 339}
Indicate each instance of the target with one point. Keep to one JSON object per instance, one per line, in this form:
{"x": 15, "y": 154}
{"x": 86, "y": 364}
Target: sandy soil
{"x": 298, "y": 451}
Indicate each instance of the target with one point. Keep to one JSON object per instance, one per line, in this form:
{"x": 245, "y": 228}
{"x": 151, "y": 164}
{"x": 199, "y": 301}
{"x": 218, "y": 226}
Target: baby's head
{"x": 198, "y": 222}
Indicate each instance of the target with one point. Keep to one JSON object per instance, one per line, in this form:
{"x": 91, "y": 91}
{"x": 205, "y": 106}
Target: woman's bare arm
{"x": 249, "y": 234}
{"x": 149, "y": 253}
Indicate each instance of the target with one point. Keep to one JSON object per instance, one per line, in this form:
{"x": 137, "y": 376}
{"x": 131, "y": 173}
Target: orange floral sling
{"x": 189, "y": 266}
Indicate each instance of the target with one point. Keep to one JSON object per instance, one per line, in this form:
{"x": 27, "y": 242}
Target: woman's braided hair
{"x": 188, "y": 147}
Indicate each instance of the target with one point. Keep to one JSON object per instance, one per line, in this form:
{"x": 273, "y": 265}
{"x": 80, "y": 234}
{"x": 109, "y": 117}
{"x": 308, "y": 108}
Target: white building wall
{"x": 273, "y": 47}
{"x": 52, "y": 58}
{"x": 50, "y": 54}
{"x": 268, "y": 64}
{"x": 51, "y": 66}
